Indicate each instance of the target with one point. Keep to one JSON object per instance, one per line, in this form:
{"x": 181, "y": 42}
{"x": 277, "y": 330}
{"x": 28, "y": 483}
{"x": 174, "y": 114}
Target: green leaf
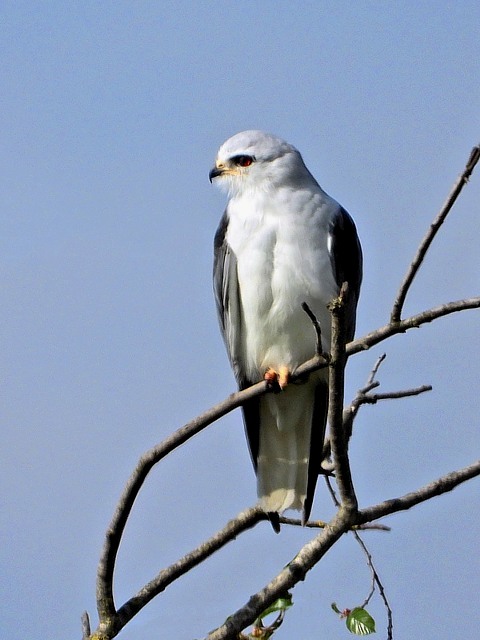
{"x": 360, "y": 622}
{"x": 279, "y": 605}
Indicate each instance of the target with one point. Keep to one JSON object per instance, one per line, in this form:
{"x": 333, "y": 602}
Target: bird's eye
{"x": 242, "y": 161}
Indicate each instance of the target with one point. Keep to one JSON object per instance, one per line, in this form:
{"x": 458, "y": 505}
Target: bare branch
{"x": 376, "y": 582}
{"x": 436, "y": 488}
{"x": 86, "y": 630}
{"x": 428, "y": 239}
{"x": 318, "y": 330}
{"x": 350, "y": 413}
{"x": 413, "y": 322}
{"x": 373, "y": 398}
{"x": 105, "y": 600}
{"x": 244, "y": 521}
{"x": 363, "y": 396}
{"x": 383, "y": 333}
{"x": 331, "y": 491}
{"x": 374, "y": 371}
{"x": 320, "y": 524}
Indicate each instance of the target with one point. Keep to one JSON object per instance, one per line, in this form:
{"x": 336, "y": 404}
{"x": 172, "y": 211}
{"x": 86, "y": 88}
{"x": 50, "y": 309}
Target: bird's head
{"x": 253, "y": 160}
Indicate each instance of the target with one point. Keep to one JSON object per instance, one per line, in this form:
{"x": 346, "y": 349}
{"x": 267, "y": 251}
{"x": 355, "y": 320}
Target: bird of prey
{"x": 282, "y": 241}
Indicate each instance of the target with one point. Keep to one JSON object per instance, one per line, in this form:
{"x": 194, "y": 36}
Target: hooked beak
{"x": 214, "y": 173}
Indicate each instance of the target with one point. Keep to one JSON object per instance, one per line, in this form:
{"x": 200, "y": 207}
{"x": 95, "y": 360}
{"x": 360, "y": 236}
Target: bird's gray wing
{"x": 346, "y": 261}
{"x": 230, "y": 316}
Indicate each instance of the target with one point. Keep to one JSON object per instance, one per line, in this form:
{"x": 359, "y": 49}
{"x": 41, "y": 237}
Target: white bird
{"x": 282, "y": 241}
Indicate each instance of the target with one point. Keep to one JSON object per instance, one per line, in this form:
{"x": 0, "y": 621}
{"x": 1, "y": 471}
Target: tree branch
{"x": 347, "y": 517}
{"x": 105, "y": 601}
{"x": 244, "y": 521}
{"x": 383, "y": 333}
{"x": 320, "y": 524}
{"x": 429, "y": 237}
{"x": 413, "y": 322}
{"x": 373, "y": 398}
{"x": 363, "y": 396}
{"x": 436, "y": 488}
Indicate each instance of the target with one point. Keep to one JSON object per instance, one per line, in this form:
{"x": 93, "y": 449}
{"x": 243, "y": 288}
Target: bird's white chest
{"x": 283, "y": 260}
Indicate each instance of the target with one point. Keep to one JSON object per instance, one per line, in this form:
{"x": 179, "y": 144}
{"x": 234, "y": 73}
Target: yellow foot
{"x": 281, "y": 377}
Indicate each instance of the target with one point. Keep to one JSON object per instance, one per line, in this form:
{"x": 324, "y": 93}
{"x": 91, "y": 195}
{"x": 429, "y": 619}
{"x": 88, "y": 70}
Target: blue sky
{"x": 111, "y": 115}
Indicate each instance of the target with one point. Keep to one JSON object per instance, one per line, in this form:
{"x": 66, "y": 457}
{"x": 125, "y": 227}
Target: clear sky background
{"x": 111, "y": 115}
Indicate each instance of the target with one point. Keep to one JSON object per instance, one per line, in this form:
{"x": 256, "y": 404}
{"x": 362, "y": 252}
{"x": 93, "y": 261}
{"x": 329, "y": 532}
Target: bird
{"x": 281, "y": 242}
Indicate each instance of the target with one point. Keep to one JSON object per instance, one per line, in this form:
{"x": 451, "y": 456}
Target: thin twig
{"x": 320, "y": 524}
{"x": 318, "y": 330}
{"x": 374, "y": 371}
{"x": 331, "y": 491}
{"x": 373, "y": 398}
{"x": 363, "y": 396}
{"x": 86, "y": 630}
{"x": 350, "y": 413}
{"x": 428, "y": 239}
{"x": 375, "y": 576}
{"x": 371, "y": 592}
{"x": 376, "y": 581}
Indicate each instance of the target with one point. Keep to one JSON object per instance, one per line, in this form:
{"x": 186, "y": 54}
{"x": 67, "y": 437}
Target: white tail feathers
{"x": 284, "y": 448}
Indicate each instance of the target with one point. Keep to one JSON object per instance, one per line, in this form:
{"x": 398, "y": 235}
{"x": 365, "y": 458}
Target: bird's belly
{"x": 282, "y": 260}
{"x": 277, "y": 331}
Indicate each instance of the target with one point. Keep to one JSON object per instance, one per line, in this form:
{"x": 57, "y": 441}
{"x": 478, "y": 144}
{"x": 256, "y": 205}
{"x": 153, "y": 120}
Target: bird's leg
{"x": 281, "y": 377}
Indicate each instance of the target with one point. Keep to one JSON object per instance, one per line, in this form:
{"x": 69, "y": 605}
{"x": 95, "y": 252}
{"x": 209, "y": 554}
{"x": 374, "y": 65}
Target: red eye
{"x": 242, "y": 161}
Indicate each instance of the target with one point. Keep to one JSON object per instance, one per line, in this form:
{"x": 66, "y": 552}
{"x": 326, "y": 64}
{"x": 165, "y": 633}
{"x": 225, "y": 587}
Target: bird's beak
{"x": 214, "y": 173}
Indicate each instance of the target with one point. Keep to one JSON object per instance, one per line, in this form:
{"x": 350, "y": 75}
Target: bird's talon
{"x": 271, "y": 378}
{"x": 283, "y": 377}
{"x": 280, "y": 377}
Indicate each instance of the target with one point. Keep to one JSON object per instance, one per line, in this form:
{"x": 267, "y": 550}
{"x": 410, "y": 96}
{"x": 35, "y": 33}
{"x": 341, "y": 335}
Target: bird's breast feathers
{"x": 281, "y": 249}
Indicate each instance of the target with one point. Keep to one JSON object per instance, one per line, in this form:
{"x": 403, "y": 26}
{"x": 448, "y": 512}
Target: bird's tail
{"x": 290, "y": 447}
